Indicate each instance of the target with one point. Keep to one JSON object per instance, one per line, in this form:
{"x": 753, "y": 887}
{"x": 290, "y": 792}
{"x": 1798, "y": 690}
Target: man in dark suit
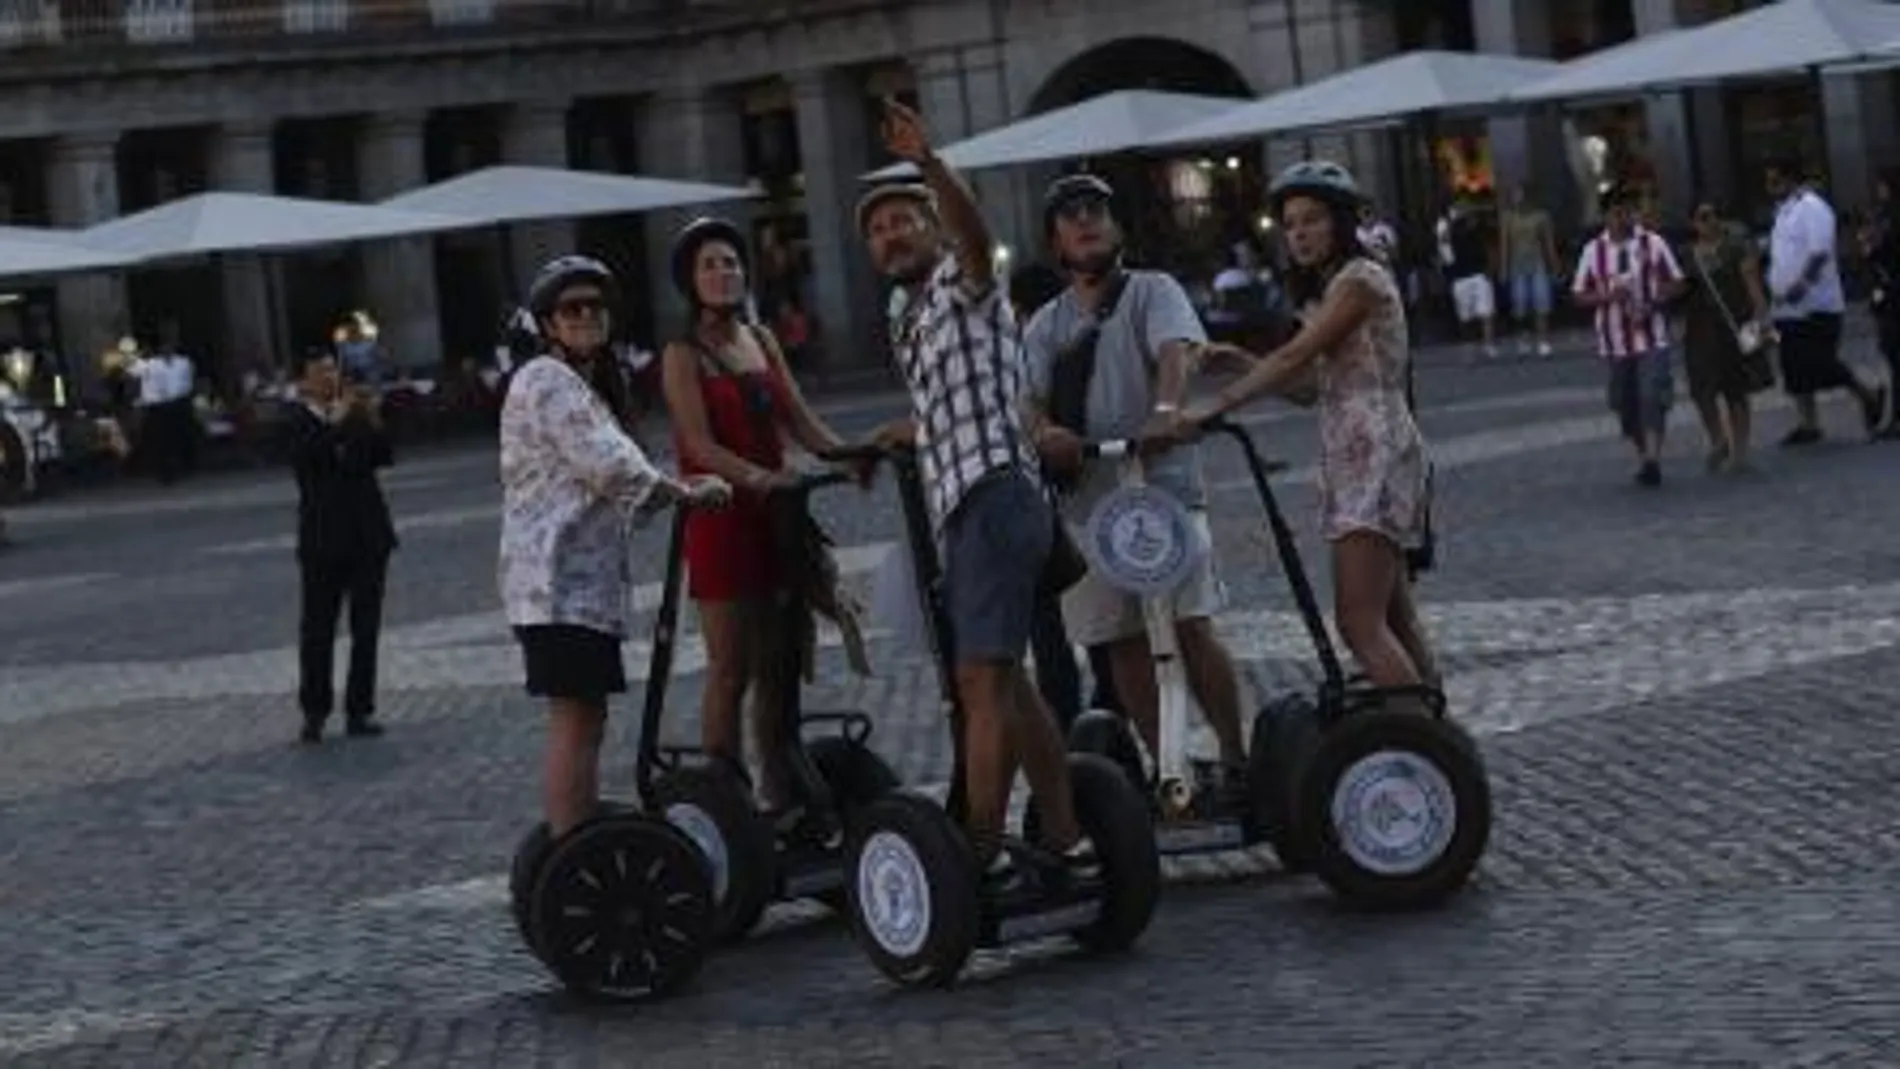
{"x": 344, "y": 538}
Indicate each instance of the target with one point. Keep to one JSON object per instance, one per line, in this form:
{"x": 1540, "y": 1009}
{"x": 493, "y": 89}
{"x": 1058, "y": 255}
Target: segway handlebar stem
{"x": 1292, "y": 564}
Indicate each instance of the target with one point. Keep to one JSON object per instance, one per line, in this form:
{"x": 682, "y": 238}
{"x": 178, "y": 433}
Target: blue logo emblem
{"x": 1142, "y": 540}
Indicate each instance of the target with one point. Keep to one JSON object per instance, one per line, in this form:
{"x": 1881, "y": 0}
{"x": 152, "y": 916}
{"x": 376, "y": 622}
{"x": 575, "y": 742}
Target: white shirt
{"x": 164, "y": 377}
{"x": 1804, "y": 226}
{"x": 572, "y": 485}
{"x": 1641, "y": 266}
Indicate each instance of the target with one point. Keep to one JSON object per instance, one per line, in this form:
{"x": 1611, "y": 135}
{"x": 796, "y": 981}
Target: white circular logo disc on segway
{"x": 894, "y": 894}
{"x": 1142, "y": 540}
{"x": 700, "y": 827}
{"x": 1395, "y": 812}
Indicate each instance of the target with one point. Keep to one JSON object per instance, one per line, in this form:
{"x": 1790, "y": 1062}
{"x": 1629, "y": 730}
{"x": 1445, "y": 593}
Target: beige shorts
{"x": 1095, "y": 613}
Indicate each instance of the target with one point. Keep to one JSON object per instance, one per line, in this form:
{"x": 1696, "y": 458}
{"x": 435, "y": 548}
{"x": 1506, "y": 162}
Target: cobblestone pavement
{"x": 1685, "y": 698}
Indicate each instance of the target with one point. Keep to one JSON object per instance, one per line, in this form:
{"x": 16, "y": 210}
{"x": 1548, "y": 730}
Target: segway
{"x": 754, "y": 860}
{"x": 1390, "y": 808}
{"x": 618, "y": 909}
{"x": 919, "y": 906}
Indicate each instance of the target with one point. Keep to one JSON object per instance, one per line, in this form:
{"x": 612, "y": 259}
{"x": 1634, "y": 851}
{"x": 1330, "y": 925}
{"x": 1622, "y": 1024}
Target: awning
{"x": 1786, "y": 37}
{"x": 1101, "y": 126}
{"x": 511, "y": 194}
{"x": 222, "y": 222}
{"x": 1394, "y": 89}
{"x": 33, "y": 256}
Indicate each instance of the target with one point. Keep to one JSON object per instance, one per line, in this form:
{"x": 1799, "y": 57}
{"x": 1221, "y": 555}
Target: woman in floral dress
{"x": 1373, "y": 469}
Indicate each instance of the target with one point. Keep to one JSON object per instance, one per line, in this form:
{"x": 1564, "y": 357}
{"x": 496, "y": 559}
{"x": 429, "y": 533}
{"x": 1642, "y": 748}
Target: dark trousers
{"x": 1058, "y": 677}
{"x": 171, "y": 439}
{"x": 327, "y": 583}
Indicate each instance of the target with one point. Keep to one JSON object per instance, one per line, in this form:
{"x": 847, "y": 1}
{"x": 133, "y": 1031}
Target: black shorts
{"x": 1811, "y": 354}
{"x": 572, "y": 662}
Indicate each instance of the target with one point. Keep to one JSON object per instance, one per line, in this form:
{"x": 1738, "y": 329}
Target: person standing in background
{"x": 168, "y": 424}
{"x": 1467, "y": 260}
{"x": 344, "y": 539}
{"x": 1527, "y": 252}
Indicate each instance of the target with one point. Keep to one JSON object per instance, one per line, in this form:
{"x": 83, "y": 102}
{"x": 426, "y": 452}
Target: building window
{"x": 153, "y": 21}
{"x": 316, "y": 16}
{"x": 461, "y": 12}
{"x": 29, "y": 22}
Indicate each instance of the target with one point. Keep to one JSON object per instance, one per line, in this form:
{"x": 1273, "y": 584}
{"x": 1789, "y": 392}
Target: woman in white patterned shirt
{"x": 573, "y": 481}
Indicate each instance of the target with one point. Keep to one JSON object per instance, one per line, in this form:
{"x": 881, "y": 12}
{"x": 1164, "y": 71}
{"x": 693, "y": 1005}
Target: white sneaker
{"x": 1543, "y": 348}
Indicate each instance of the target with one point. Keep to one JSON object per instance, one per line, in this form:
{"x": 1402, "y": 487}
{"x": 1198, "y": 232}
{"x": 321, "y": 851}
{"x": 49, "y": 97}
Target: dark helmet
{"x": 562, "y": 272}
{"x": 694, "y": 236}
{"x": 1068, "y": 190}
{"x": 1321, "y": 179}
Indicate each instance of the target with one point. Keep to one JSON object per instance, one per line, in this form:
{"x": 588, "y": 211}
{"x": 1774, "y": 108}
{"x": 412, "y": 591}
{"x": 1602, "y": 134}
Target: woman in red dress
{"x": 733, "y": 402}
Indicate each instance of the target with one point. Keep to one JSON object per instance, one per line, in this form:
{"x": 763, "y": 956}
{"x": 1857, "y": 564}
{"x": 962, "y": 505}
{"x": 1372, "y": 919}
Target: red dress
{"x": 730, "y": 554}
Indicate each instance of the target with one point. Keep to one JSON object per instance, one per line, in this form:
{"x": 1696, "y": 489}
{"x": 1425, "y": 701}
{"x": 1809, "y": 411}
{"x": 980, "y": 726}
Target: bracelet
{"x": 1166, "y": 407}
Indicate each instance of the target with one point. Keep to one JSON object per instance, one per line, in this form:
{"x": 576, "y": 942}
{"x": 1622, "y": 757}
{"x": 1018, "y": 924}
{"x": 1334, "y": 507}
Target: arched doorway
{"x": 1180, "y": 211}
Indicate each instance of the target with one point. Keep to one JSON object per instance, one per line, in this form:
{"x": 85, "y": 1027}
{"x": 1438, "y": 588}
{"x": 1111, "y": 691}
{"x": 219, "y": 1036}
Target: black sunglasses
{"x": 1082, "y": 208}
{"x": 575, "y": 307}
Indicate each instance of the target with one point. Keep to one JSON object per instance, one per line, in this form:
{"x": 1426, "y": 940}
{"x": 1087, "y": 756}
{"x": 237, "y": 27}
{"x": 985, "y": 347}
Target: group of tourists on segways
{"x": 1019, "y": 446}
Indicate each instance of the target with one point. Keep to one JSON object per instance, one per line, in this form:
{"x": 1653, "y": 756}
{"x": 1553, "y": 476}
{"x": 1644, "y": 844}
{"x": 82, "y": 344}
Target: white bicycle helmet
{"x": 563, "y": 271}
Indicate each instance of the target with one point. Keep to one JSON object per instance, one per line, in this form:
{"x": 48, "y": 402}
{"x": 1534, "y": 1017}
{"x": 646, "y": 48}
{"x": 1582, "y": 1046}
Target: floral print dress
{"x": 1373, "y": 468}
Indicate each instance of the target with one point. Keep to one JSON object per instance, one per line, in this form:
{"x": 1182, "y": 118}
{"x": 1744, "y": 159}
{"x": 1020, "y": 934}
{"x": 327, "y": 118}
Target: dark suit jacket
{"x": 341, "y": 513}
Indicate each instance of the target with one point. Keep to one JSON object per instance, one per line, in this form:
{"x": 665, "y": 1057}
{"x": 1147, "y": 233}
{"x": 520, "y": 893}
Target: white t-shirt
{"x": 1804, "y": 226}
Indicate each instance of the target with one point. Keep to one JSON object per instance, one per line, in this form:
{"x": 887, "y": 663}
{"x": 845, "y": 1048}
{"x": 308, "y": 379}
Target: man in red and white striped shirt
{"x": 1627, "y": 273}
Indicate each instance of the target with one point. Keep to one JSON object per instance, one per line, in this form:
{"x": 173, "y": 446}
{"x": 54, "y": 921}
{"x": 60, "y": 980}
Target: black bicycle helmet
{"x": 693, "y": 237}
{"x": 1322, "y": 179}
{"x": 1069, "y": 189}
{"x": 563, "y": 271}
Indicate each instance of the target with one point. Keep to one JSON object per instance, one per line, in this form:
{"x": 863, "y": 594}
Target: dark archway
{"x": 1179, "y": 212}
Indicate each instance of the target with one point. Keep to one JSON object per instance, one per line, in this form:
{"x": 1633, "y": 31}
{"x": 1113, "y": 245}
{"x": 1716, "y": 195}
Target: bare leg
{"x": 1366, "y": 568}
{"x": 1216, "y": 686}
{"x": 571, "y": 781}
{"x": 1402, "y": 619}
{"x": 1741, "y": 420}
{"x": 730, "y": 656}
{"x": 1720, "y": 448}
{"x": 1133, "y": 668}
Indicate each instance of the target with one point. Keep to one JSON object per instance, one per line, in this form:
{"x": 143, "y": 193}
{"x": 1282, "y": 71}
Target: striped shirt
{"x": 959, "y": 354}
{"x": 1643, "y": 264}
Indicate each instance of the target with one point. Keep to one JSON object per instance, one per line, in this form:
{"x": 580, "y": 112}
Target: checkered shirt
{"x": 960, "y": 357}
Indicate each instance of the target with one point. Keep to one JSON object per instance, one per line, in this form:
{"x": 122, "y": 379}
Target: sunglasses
{"x": 577, "y": 307}
{"x": 1085, "y": 208}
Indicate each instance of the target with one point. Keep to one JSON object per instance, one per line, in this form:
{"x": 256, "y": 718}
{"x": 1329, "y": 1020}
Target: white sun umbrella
{"x": 1114, "y": 122}
{"x": 219, "y": 222}
{"x": 515, "y": 194}
{"x": 1786, "y": 37}
{"x": 1390, "y": 90}
{"x": 24, "y": 253}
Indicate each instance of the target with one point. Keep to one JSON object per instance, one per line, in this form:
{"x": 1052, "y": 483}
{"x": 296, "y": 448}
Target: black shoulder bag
{"x": 1073, "y": 371}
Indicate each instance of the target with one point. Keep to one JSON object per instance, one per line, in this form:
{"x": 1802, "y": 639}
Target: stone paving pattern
{"x": 1685, "y": 700}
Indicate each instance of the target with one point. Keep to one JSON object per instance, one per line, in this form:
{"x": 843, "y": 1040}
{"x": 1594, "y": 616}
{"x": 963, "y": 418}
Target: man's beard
{"x": 1095, "y": 265}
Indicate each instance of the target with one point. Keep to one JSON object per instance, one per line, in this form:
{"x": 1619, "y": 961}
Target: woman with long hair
{"x": 571, "y": 476}
{"x": 1725, "y": 299}
{"x": 1352, "y": 352}
{"x": 733, "y": 402}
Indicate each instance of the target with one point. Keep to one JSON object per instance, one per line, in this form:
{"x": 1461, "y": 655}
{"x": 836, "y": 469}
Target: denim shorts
{"x": 995, "y": 546}
{"x": 1642, "y": 388}
{"x": 1530, "y": 294}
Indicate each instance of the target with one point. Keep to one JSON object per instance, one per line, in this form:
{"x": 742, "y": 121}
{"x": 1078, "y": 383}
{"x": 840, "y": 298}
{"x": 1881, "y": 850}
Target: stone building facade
{"x": 112, "y": 105}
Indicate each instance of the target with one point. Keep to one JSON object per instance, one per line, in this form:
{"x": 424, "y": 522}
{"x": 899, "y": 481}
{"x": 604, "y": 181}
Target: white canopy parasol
{"x": 1393, "y": 89}
{"x": 511, "y": 194}
{"x": 1786, "y": 37}
{"x": 219, "y": 222}
{"x": 1100, "y": 126}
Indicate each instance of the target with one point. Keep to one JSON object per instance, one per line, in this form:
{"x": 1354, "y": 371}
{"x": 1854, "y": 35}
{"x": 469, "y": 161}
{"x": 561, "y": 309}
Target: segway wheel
{"x": 1105, "y": 735}
{"x": 857, "y": 777}
{"x": 913, "y": 890}
{"x": 529, "y": 857}
{"x": 1286, "y": 733}
{"x": 16, "y": 463}
{"x": 712, "y": 807}
{"x": 1114, "y": 816}
{"x": 622, "y": 909}
{"x": 1397, "y": 807}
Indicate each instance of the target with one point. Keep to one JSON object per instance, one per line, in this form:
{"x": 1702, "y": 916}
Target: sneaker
{"x": 312, "y": 733}
{"x": 1543, "y": 348}
{"x": 1800, "y": 436}
{"x": 363, "y": 728}
{"x": 1718, "y": 458}
{"x": 1650, "y": 474}
{"x": 1873, "y": 410}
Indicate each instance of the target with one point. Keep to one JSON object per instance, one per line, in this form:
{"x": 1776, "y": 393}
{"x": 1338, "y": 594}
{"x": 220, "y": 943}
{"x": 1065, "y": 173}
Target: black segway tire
{"x": 16, "y": 464}
{"x": 714, "y": 809}
{"x": 1398, "y": 809}
{"x": 912, "y": 884}
{"x": 1115, "y": 817}
{"x": 529, "y": 857}
{"x": 622, "y": 909}
{"x": 1103, "y": 734}
{"x": 1286, "y": 732}
{"x": 857, "y": 777}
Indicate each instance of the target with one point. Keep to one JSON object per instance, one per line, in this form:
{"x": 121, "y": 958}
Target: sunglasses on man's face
{"x": 1076, "y": 211}
{"x": 580, "y": 307}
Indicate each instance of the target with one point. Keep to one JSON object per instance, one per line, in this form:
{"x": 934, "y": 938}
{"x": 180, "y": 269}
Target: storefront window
{"x": 1765, "y": 121}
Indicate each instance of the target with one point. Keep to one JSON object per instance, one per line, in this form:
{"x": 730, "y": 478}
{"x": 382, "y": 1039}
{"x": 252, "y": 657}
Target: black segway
{"x": 619, "y": 909}
{"x": 1390, "y": 808}
{"x": 755, "y": 860}
{"x": 919, "y": 906}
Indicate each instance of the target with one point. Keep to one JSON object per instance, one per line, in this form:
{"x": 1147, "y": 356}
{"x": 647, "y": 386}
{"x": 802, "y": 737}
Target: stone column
{"x": 242, "y": 161}
{"x": 834, "y": 143}
{"x": 1669, "y": 121}
{"x": 1860, "y": 135}
{"x": 696, "y": 132}
{"x": 535, "y": 135}
{"x": 961, "y": 93}
{"x": 399, "y": 273}
{"x": 82, "y": 185}
{"x": 1518, "y": 27}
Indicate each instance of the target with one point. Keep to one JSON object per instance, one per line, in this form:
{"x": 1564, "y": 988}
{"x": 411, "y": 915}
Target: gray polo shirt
{"x": 1153, "y": 311}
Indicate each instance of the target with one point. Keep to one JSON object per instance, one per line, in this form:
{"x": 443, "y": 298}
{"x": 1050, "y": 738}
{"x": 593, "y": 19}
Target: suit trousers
{"x": 328, "y": 582}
